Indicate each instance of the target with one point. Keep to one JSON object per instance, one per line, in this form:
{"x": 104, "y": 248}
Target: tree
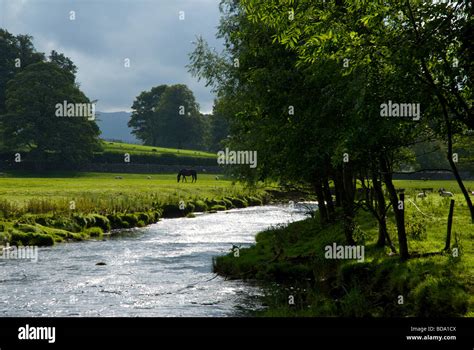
{"x": 168, "y": 116}
{"x": 179, "y": 114}
{"x": 422, "y": 39}
{"x": 30, "y": 122}
{"x": 144, "y": 119}
{"x": 16, "y": 53}
{"x": 218, "y": 126}
{"x": 63, "y": 62}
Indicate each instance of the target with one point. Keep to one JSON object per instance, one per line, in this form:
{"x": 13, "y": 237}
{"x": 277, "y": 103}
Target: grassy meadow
{"x": 93, "y": 192}
{"x": 71, "y": 206}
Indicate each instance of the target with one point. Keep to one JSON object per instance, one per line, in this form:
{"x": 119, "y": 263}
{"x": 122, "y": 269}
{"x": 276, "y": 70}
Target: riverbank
{"x": 301, "y": 279}
{"x": 63, "y": 207}
{"x": 68, "y": 207}
{"x": 162, "y": 270}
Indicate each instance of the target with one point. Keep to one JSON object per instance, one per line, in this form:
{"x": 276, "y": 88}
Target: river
{"x": 164, "y": 269}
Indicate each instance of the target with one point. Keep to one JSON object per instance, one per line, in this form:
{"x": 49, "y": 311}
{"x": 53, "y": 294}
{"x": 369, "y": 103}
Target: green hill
{"x": 133, "y": 149}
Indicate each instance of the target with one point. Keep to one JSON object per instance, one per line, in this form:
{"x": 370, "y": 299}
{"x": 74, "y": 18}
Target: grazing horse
{"x": 187, "y": 172}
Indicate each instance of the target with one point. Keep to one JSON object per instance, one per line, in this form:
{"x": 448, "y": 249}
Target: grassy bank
{"x": 119, "y": 147}
{"x": 75, "y": 206}
{"x": 301, "y": 281}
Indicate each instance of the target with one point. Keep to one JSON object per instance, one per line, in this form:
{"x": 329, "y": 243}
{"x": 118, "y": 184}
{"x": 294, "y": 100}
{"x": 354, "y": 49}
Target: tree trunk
{"x": 380, "y": 209}
{"x": 348, "y": 203}
{"x": 399, "y": 213}
{"x": 323, "y": 213}
{"x": 328, "y": 197}
{"x": 453, "y": 165}
{"x": 338, "y": 187}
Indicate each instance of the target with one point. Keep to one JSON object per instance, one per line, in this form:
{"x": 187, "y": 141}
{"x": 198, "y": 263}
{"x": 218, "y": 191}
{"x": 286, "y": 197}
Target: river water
{"x": 163, "y": 269}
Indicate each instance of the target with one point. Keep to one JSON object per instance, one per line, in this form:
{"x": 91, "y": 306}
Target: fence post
{"x": 450, "y": 225}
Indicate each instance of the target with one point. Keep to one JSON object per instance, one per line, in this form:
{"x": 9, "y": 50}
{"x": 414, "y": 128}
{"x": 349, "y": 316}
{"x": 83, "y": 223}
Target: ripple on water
{"x": 164, "y": 269}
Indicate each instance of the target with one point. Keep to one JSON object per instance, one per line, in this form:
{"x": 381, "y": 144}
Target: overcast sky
{"x": 106, "y": 32}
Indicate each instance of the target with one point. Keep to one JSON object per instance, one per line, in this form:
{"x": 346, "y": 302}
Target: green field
{"x": 448, "y": 185}
{"x": 118, "y": 147}
{"x": 98, "y": 192}
{"x": 61, "y": 207}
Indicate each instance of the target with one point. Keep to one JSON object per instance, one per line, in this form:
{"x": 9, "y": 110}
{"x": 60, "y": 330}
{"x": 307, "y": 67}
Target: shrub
{"x": 416, "y": 230}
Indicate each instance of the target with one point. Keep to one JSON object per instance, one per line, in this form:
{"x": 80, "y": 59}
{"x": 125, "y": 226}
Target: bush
{"x": 416, "y": 229}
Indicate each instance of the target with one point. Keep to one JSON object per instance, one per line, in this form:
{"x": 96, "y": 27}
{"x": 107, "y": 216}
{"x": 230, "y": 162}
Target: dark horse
{"x": 187, "y": 172}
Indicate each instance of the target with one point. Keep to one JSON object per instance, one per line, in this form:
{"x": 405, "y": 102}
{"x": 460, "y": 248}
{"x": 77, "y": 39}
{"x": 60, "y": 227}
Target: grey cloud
{"x": 105, "y": 32}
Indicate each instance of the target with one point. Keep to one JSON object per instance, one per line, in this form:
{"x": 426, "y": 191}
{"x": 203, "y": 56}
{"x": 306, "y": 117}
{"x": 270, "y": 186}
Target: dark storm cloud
{"x": 106, "y": 32}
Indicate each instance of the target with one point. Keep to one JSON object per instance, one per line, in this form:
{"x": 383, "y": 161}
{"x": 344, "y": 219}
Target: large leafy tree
{"x": 431, "y": 41}
{"x": 31, "y": 125}
{"x": 144, "y": 120}
{"x": 16, "y": 53}
{"x": 336, "y": 108}
{"x": 168, "y": 116}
